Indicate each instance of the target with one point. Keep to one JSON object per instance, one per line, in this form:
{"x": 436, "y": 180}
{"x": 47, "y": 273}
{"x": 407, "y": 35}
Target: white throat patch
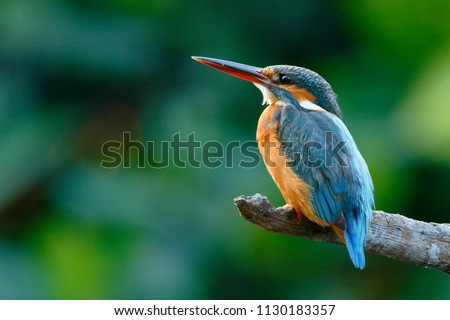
{"x": 268, "y": 96}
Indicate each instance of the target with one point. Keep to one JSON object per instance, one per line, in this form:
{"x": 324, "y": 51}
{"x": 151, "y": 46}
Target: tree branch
{"x": 391, "y": 235}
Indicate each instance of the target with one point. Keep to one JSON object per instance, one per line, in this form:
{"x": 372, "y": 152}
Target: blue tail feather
{"x": 355, "y": 236}
{"x": 355, "y": 251}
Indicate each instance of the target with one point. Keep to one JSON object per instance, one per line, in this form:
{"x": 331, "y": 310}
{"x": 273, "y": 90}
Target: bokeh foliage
{"x": 74, "y": 74}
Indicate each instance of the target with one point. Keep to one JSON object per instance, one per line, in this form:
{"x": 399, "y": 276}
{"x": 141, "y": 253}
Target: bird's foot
{"x": 289, "y": 206}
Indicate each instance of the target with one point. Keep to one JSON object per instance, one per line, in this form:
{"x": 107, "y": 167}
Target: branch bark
{"x": 391, "y": 235}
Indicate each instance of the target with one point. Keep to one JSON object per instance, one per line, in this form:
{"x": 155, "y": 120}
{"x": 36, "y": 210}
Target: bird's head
{"x": 300, "y": 87}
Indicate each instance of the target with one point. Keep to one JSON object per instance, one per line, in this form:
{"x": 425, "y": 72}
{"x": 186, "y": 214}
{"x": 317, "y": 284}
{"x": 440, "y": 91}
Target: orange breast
{"x": 295, "y": 191}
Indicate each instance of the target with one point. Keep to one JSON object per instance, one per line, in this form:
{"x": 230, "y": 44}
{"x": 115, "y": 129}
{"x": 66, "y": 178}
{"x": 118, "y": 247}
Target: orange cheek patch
{"x": 300, "y": 94}
{"x": 268, "y": 72}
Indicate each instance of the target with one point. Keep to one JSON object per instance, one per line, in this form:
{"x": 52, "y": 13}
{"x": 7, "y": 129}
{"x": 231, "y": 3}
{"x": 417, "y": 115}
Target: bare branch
{"x": 391, "y": 235}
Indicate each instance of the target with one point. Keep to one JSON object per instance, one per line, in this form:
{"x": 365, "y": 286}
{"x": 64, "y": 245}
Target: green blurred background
{"x": 75, "y": 74}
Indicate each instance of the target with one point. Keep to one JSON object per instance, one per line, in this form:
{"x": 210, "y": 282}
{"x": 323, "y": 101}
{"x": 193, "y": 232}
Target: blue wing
{"x": 323, "y": 154}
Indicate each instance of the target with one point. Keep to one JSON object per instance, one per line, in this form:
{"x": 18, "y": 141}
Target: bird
{"x": 308, "y": 151}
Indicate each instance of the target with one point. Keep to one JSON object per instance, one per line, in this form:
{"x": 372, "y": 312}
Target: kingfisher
{"x": 308, "y": 150}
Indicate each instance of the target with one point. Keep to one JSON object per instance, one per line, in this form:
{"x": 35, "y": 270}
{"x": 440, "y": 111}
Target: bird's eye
{"x": 285, "y": 79}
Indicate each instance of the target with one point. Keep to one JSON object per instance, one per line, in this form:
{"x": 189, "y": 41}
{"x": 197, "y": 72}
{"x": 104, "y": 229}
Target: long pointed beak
{"x": 239, "y": 70}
